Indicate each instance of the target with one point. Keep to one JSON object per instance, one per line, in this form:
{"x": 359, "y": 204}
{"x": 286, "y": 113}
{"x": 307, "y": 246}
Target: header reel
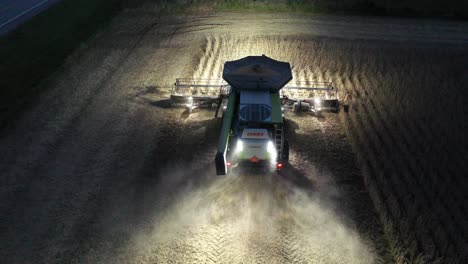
{"x": 199, "y": 93}
{"x": 314, "y": 97}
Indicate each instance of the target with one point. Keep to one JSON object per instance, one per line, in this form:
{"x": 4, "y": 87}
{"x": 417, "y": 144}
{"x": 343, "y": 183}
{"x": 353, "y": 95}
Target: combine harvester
{"x": 252, "y": 98}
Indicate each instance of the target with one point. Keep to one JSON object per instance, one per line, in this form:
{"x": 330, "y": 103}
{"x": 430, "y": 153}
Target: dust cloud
{"x": 247, "y": 219}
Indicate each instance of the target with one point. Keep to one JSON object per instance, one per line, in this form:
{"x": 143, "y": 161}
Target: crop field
{"x": 102, "y": 170}
{"x": 412, "y": 152}
{"x": 406, "y": 121}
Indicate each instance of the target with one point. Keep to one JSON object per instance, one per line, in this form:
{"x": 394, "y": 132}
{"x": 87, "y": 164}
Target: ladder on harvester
{"x": 279, "y": 142}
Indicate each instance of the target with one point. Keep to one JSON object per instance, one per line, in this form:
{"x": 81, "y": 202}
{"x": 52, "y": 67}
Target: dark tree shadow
{"x": 164, "y": 103}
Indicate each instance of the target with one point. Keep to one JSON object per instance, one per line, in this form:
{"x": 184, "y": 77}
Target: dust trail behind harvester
{"x": 248, "y": 219}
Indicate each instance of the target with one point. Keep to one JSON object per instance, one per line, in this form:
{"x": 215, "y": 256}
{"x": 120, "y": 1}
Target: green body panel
{"x": 276, "y": 113}
{"x": 227, "y": 121}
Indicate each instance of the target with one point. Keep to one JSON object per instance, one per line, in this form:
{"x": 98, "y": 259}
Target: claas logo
{"x": 255, "y": 134}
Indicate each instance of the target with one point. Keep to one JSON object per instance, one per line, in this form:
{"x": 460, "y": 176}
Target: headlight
{"x": 271, "y": 147}
{"x": 239, "y": 146}
{"x": 317, "y": 101}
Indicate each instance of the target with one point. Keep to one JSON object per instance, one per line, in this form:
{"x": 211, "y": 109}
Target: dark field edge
{"x": 35, "y": 50}
{"x": 450, "y": 9}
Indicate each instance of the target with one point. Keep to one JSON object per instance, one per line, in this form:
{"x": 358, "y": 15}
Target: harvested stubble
{"x": 406, "y": 123}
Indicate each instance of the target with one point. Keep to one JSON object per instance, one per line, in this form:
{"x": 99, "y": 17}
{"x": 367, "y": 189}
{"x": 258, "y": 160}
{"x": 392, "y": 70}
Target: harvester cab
{"x": 252, "y": 98}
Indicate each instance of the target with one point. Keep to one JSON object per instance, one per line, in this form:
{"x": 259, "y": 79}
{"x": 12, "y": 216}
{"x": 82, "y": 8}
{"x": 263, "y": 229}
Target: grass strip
{"x": 36, "y": 49}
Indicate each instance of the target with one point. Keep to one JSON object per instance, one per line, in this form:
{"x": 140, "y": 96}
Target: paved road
{"x": 14, "y": 13}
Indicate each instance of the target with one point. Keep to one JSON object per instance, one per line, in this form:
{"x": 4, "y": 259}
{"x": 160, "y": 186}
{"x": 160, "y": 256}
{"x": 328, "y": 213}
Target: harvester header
{"x": 252, "y": 98}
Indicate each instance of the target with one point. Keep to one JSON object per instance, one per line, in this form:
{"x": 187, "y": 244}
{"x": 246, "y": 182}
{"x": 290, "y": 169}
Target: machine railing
{"x": 313, "y": 96}
{"x": 303, "y": 90}
{"x": 216, "y": 87}
{"x": 194, "y": 93}
{"x": 310, "y": 96}
{"x": 200, "y": 87}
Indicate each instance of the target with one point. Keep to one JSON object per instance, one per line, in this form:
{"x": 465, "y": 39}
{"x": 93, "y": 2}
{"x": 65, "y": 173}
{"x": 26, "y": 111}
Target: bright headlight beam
{"x": 239, "y": 146}
{"x": 271, "y": 147}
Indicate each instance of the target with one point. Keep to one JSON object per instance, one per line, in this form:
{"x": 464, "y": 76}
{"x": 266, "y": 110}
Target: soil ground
{"x": 101, "y": 170}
